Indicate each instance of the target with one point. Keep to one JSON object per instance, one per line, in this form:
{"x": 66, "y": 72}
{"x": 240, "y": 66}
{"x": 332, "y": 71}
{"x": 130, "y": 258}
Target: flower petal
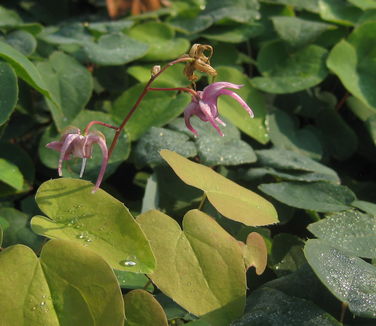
{"x": 102, "y": 144}
{"x": 205, "y": 109}
{"x": 66, "y": 149}
{"x": 238, "y": 98}
{"x": 210, "y": 93}
{"x": 188, "y": 112}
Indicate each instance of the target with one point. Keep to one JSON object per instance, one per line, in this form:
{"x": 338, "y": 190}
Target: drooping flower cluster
{"x": 204, "y": 105}
{"x": 74, "y": 144}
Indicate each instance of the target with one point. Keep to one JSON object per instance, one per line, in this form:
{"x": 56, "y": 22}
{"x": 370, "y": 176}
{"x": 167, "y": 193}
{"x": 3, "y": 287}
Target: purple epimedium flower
{"x": 73, "y": 144}
{"x": 204, "y": 105}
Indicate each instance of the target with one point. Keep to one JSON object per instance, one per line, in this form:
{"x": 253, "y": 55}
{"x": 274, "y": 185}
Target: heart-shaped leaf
{"x": 230, "y": 199}
{"x": 196, "y": 254}
{"x": 95, "y": 220}
{"x": 288, "y": 71}
{"x": 68, "y": 285}
{"x": 71, "y": 85}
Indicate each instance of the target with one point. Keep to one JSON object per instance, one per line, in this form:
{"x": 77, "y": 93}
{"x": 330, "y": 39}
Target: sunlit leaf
{"x": 230, "y": 199}
{"x": 255, "y": 252}
{"x": 68, "y": 285}
{"x": 196, "y": 254}
{"x": 95, "y": 220}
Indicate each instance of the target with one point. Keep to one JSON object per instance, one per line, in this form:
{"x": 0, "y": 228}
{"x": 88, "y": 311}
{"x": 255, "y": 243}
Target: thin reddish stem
{"x": 140, "y": 98}
{"x": 91, "y": 123}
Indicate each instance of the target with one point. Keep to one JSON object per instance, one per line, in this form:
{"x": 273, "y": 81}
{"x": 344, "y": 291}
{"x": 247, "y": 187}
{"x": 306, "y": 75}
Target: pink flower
{"x": 72, "y": 143}
{"x": 205, "y": 105}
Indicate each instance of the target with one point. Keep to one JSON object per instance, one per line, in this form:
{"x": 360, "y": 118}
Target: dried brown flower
{"x": 201, "y": 61}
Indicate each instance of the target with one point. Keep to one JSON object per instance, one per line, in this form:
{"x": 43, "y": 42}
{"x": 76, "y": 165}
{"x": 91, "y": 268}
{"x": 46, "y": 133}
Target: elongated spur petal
{"x": 188, "y": 112}
{"x": 239, "y": 99}
{"x": 65, "y": 151}
{"x": 206, "y": 110}
{"x": 103, "y": 146}
{"x": 211, "y": 92}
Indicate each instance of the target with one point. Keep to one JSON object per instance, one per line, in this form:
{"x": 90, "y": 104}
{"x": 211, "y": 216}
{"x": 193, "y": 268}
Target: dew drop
{"x": 81, "y": 236}
{"x": 129, "y": 262}
{"x": 42, "y": 303}
{"x": 34, "y": 308}
{"x": 89, "y": 240}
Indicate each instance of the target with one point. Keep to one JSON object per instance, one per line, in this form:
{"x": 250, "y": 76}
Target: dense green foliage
{"x": 272, "y": 224}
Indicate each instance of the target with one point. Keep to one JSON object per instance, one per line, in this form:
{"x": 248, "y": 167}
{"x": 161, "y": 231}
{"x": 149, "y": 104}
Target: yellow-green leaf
{"x": 231, "y": 200}
{"x": 95, "y": 220}
{"x": 255, "y": 253}
{"x": 142, "y": 309}
{"x": 200, "y": 267}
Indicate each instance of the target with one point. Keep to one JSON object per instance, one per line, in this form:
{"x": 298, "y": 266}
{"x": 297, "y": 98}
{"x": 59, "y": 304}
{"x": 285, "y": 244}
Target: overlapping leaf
{"x": 68, "y": 285}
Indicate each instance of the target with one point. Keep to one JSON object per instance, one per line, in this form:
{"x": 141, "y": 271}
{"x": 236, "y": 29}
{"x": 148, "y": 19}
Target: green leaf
{"x": 309, "y": 5}
{"x": 287, "y": 71}
{"x": 69, "y": 285}
{"x": 233, "y": 34}
{"x": 216, "y": 150}
{"x": 9, "y": 17}
{"x": 72, "y": 168}
{"x": 141, "y": 308}
{"x": 19, "y": 158}
{"x": 363, "y": 4}
{"x": 353, "y": 61}
{"x": 70, "y": 83}
{"x": 95, "y": 220}
{"x": 156, "y": 109}
{"x": 359, "y": 108}
{"x": 286, "y": 254}
{"x": 315, "y": 196}
{"x": 8, "y": 91}
{"x": 129, "y": 280}
{"x": 196, "y": 254}
{"x": 148, "y": 147}
{"x": 10, "y": 174}
{"x": 365, "y": 206}
{"x": 284, "y": 132}
{"x": 287, "y": 161}
{"x": 230, "y": 199}
{"x": 349, "y": 278}
{"x": 1, "y": 236}
{"x": 233, "y": 10}
{"x": 350, "y": 231}
{"x": 161, "y": 40}
{"x": 340, "y": 12}
{"x": 23, "y": 41}
{"x": 297, "y": 31}
{"x": 267, "y": 306}
{"x": 173, "y": 75}
{"x": 340, "y": 139}
{"x": 114, "y": 49}
{"x": 25, "y": 69}
{"x": 18, "y": 229}
{"x": 232, "y": 111}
